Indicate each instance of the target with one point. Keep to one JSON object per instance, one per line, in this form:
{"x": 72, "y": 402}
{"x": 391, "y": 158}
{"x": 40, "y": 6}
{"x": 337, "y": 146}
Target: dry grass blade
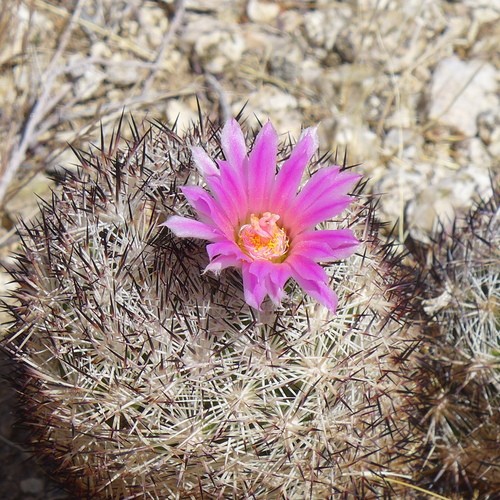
{"x": 103, "y": 31}
{"x": 42, "y": 105}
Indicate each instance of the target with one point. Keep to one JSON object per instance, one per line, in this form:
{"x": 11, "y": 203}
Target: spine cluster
{"x": 460, "y": 375}
{"x": 143, "y": 377}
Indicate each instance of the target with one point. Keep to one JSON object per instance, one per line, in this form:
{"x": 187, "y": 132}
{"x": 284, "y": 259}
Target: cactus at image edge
{"x": 460, "y": 369}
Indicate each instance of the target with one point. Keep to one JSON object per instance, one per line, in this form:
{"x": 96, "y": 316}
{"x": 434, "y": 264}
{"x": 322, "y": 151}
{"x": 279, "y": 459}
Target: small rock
{"x": 121, "y": 73}
{"x": 460, "y": 91}
{"x": 154, "y": 22}
{"x": 101, "y": 50}
{"x": 262, "y": 12}
{"x": 323, "y": 27}
{"x": 218, "y": 49}
{"x": 473, "y": 152}
{"x": 87, "y": 77}
{"x": 494, "y": 148}
{"x": 406, "y": 142}
{"x": 441, "y": 201}
{"x": 402, "y": 117}
{"x": 290, "y": 21}
{"x": 285, "y": 60}
{"x": 273, "y": 99}
{"x": 484, "y": 11}
{"x": 313, "y": 23}
{"x": 489, "y": 131}
{"x": 269, "y": 102}
{"x": 489, "y": 125}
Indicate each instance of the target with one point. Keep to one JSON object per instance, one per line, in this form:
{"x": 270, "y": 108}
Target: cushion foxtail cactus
{"x": 460, "y": 378}
{"x": 143, "y": 376}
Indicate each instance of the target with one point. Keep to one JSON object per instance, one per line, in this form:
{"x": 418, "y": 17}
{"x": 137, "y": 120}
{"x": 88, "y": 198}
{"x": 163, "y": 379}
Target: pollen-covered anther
{"x": 262, "y": 238}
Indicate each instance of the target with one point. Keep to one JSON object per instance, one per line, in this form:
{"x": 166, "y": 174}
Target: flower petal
{"x": 261, "y": 278}
{"x": 222, "y": 179}
{"x": 326, "y": 245}
{"x": 262, "y": 168}
{"x": 204, "y": 163}
{"x": 277, "y": 277}
{"x": 208, "y": 209}
{"x": 222, "y": 262}
{"x": 190, "y": 228}
{"x": 323, "y": 197}
{"x": 308, "y": 219}
{"x": 233, "y": 144}
{"x": 253, "y": 287}
{"x": 288, "y": 178}
{"x": 226, "y": 248}
{"x": 241, "y": 184}
{"x": 233, "y": 189}
{"x": 224, "y": 254}
{"x": 326, "y": 183}
{"x": 313, "y": 280}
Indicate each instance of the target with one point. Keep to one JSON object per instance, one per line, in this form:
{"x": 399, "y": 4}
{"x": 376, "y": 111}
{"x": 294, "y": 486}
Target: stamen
{"x": 263, "y": 239}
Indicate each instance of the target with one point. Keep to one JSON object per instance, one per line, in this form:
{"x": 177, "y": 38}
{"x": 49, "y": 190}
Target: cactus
{"x": 460, "y": 377}
{"x": 144, "y": 377}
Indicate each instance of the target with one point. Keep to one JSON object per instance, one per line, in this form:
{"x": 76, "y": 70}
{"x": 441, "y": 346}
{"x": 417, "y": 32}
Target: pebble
{"x": 489, "y": 131}
{"x": 405, "y": 143}
{"x": 121, "y": 72}
{"x": 219, "y": 49}
{"x": 262, "y": 12}
{"x": 460, "y": 91}
{"x": 156, "y": 21}
{"x": 322, "y": 27}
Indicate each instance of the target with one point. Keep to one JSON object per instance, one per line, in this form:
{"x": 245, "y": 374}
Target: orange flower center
{"x": 263, "y": 239}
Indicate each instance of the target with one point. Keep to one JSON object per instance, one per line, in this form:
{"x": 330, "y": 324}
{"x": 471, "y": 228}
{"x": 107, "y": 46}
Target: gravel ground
{"x": 408, "y": 87}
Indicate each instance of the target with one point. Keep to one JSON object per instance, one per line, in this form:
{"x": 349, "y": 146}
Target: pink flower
{"x": 257, "y": 219}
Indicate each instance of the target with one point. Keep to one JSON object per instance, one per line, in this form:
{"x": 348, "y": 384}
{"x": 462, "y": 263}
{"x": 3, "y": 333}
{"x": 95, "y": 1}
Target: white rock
{"x": 225, "y": 10}
{"x": 460, "y": 91}
{"x": 492, "y": 4}
{"x": 473, "y": 152}
{"x": 101, "y": 50}
{"x": 429, "y": 208}
{"x": 442, "y": 200}
{"x": 489, "y": 131}
{"x": 404, "y": 142}
{"x": 262, "y": 12}
{"x": 269, "y": 102}
{"x": 402, "y": 117}
{"x": 154, "y": 22}
{"x": 272, "y": 99}
{"x": 87, "y": 77}
{"x": 314, "y": 22}
{"x": 494, "y": 147}
{"x": 290, "y": 21}
{"x": 488, "y": 122}
{"x": 218, "y": 49}
{"x": 285, "y": 60}
{"x": 323, "y": 27}
{"x": 484, "y": 11}
{"x": 121, "y": 72}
